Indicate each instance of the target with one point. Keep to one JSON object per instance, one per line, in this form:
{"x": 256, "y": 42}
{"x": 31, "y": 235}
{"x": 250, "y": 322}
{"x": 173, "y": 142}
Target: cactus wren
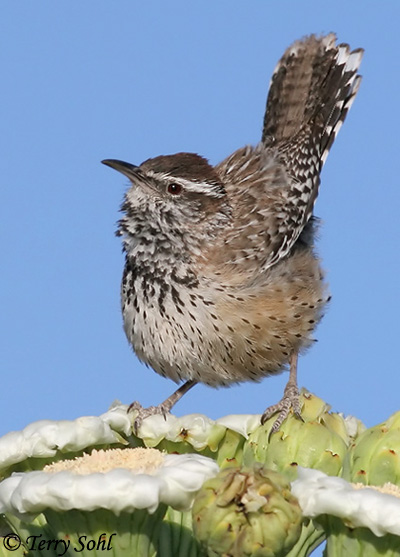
{"x": 221, "y": 282}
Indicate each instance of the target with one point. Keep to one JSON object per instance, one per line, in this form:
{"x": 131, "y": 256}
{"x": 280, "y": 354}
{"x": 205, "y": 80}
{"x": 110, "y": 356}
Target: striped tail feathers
{"x": 348, "y": 83}
{"x": 312, "y": 88}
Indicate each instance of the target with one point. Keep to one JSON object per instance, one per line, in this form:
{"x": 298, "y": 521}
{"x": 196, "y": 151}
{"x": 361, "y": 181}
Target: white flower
{"x": 47, "y": 439}
{"x": 44, "y": 438}
{"x": 197, "y": 429}
{"x": 241, "y": 423}
{"x": 173, "y": 480}
{"x": 367, "y": 507}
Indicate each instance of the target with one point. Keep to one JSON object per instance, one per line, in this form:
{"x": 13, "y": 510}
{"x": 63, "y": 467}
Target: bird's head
{"x": 174, "y": 199}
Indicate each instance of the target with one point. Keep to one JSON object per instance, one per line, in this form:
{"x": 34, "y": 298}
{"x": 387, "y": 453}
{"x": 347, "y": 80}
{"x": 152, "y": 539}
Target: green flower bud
{"x": 374, "y": 458}
{"x": 247, "y": 512}
{"x": 320, "y": 441}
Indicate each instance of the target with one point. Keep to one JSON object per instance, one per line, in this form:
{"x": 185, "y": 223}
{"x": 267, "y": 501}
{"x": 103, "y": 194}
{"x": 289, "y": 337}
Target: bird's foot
{"x": 164, "y": 408}
{"x": 289, "y": 401}
{"x": 143, "y": 413}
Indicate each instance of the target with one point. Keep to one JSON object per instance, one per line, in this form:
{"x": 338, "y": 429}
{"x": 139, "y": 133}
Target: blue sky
{"x": 92, "y": 80}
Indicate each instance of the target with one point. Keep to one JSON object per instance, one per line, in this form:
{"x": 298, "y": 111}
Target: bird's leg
{"x": 164, "y": 408}
{"x": 289, "y": 400}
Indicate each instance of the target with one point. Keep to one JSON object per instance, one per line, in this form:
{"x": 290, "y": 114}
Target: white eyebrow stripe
{"x": 208, "y": 188}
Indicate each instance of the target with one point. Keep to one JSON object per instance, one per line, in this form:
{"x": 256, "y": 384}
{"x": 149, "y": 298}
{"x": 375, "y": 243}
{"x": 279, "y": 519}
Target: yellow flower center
{"x": 388, "y": 488}
{"x": 139, "y": 460}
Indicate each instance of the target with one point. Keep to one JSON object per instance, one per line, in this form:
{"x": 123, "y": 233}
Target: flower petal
{"x": 175, "y": 483}
{"x": 321, "y": 494}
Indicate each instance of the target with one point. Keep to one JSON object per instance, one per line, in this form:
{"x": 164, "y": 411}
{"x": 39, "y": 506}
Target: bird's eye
{"x": 174, "y": 189}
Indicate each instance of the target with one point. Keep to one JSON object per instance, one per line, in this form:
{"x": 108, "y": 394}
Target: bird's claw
{"x": 290, "y": 401}
{"x": 143, "y": 413}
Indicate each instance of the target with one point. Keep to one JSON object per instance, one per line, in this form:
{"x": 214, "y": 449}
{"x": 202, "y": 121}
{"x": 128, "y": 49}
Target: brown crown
{"x": 183, "y": 165}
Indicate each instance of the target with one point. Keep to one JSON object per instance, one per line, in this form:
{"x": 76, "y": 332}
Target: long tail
{"x": 311, "y": 91}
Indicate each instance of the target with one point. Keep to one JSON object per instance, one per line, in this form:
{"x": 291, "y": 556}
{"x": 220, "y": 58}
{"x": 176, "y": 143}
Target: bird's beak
{"x": 125, "y": 168}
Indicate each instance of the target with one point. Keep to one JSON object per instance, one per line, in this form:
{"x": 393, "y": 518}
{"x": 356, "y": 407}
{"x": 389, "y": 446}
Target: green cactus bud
{"x": 320, "y": 441}
{"x": 248, "y": 512}
{"x": 372, "y": 460}
{"x": 374, "y": 457}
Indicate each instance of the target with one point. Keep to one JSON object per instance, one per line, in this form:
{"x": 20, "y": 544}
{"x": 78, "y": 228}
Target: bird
{"x": 222, "y": 283}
